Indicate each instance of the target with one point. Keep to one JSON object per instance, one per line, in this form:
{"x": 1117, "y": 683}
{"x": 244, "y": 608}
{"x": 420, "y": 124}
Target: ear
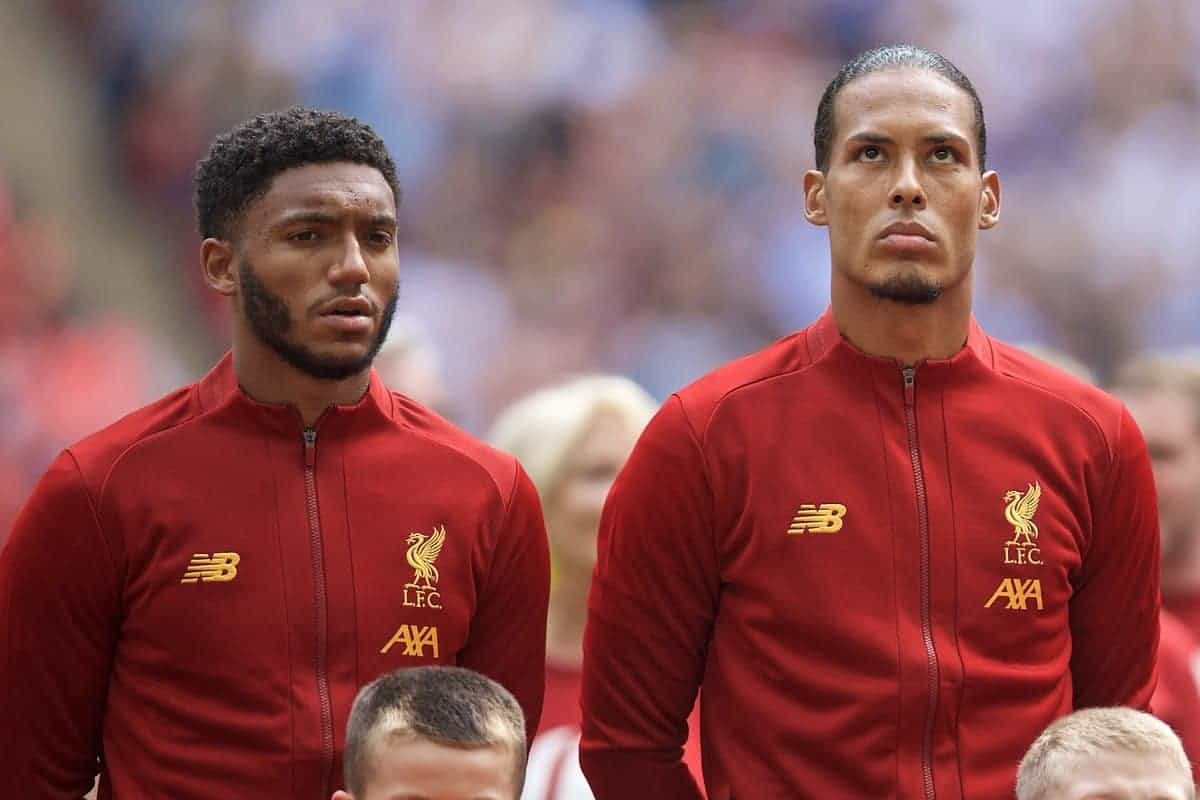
{"x": 989, "y": 205}
{"x": 216, "y": 262}
{"x": 814, "y": 197}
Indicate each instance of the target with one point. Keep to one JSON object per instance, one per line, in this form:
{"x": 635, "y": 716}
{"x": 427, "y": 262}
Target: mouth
{"x": 351, "y": 315}
{"x": 913, "y": 230}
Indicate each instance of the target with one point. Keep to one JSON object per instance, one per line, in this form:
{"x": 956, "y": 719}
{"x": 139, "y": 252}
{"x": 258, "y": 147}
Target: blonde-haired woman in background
{"x": 572, "y": 438}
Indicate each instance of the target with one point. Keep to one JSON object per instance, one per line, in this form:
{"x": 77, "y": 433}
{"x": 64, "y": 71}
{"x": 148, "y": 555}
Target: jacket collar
{"x": 824, "y": 339}
{"x": 220, "y": 388}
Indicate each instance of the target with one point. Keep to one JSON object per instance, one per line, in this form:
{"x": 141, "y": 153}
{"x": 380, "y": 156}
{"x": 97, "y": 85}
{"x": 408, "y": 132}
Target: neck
{"x": 565, "y": 621}
{"x": 1181, "y": 572}
{"x": 906, "y": 333}
{"x": 267, "y": 378}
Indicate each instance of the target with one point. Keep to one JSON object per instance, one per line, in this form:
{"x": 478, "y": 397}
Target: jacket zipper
{"x": 318, "y": 565}
{"x": 910, "y": 418}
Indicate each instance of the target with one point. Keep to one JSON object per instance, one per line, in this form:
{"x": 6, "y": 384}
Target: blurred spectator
{"x": 1163, "y": 394}
{"x": 572, "y": 438}
{"x": 65, "y": 369}
{"x": 615, "y": 184}
{"x": 1106, "y": 752}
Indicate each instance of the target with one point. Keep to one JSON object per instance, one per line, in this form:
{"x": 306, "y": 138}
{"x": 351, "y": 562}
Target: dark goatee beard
{"x": 911, "y": 290}
{"x": 270, "y": 320}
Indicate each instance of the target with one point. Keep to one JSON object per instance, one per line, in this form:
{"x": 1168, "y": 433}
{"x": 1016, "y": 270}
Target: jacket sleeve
{"x": 59, "y": 619}
{"x": 507, "y": 641}
{"x": 1115, "y": 606}
{"x": 650, "y": 613}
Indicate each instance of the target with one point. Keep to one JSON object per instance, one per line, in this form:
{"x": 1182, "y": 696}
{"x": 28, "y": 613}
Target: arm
{"x": 1115, "y": 607}
{"x": 650, "y": 613}
{"x": 508, "y": 634}
{"x": 59, "y": 607}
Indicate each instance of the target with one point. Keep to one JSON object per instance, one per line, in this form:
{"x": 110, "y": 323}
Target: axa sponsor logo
{"x": 414, "y": 639}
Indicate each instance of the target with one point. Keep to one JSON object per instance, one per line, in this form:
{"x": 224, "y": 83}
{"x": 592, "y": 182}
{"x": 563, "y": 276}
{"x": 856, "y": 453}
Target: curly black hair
{"x": 241, "y": 163}
{"x": 892, "y": 56}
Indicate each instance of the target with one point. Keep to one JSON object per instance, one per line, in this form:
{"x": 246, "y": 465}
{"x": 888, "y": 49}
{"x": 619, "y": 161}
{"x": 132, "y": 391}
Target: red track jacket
{"x": 887, "y": 582}
{"x": 196, "y": 593}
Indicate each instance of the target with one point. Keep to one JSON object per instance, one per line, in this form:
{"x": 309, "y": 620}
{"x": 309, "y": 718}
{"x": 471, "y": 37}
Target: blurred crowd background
{"x": 588, "y": 184}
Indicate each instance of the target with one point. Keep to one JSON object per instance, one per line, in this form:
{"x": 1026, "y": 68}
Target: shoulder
{"x": 758, "y": 371}
{"x": 97, "y": 453}
{"x": 1072, "y": 399}
{"x": 438, "y": 435}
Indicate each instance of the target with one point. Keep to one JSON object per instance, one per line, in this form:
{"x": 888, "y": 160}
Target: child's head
{"x": 434, "y": 733}
{"x": 1109, "y": 753}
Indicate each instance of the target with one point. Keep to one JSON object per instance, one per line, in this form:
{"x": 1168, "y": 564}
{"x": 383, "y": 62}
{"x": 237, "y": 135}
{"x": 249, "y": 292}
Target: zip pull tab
{"x": 310, "y": 447}
{"x": 910, "y": 381}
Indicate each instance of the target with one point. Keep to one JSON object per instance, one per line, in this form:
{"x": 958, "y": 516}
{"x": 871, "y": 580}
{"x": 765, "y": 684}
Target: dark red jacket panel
{"x": 182, "y": 597}
{"x": 828, "y": 553}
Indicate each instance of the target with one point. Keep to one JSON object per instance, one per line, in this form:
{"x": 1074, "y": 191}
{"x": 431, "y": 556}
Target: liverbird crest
{"x": 422, "y": 553}
{"x": 1019, "y": 513}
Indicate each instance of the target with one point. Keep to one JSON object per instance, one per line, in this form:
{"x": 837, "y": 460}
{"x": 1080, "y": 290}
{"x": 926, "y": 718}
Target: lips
{"x": 915, "y": 229}
{"x": 348, "y": 307}
{"x": 348, "y": 315}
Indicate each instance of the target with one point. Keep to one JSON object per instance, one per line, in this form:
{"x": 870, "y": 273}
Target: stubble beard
{"x": 270, "y": 320}
{"x": 908, "y": 287}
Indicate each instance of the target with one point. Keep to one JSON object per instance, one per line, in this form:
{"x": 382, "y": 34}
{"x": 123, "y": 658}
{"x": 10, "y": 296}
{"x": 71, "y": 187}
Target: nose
{"x": 906, "y": 188}
{"x": 351, "y": 266}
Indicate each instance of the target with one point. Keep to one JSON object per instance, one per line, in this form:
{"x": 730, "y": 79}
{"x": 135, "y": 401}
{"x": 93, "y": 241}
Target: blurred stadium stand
{"x": 589, "y": 184}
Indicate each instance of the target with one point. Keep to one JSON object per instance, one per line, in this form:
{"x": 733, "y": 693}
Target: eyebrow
{"x": 939, "y": 137}
{"x": 325, "y": 218}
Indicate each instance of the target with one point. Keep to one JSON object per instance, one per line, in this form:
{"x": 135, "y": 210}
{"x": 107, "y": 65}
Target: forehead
{"x": 1127, "y": 776}
{"x": 893, "y": 99}
{"x": 410, "y": 768}
{"x": 338, "y": 185}
{"x": 1164, "y": 412}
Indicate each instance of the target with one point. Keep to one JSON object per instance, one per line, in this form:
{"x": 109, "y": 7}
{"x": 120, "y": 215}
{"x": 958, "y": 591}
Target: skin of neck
{"x": 267, "y": 378}
{"x": 1181, "y": 571}
{"x": 907, "y": 333}
{"x": 566, "y": 618}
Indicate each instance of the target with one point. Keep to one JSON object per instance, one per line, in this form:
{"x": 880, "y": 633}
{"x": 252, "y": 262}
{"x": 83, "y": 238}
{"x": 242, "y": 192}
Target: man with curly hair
{"x": 192, "y": 597}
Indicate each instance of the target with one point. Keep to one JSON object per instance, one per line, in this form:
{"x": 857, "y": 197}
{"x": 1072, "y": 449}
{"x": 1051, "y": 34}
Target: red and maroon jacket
{"x": 886, "y": 581}
{"x": 195, "y": 594}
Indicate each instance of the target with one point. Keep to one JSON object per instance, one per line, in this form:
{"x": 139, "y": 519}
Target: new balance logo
{"x": 1018, "y": 593}
{"x": 220, "y": 567}
{"x": 825, "y": 518}
{"x": 415, "y": 639}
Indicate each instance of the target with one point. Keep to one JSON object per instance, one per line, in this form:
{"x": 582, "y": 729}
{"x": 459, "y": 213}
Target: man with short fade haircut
{"x": 888, "y": 549}
{"x": 434, "y": 733}
{"x": 1106, "y": 754}
{"x": 192, "y": 597}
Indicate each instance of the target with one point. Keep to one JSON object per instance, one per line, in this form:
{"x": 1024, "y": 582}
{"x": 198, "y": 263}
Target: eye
{"x": 870, "y": 153}
{"x": 381, "y": 238}
{"x": 944, "y": 154}
{"x": 303, "y": 236}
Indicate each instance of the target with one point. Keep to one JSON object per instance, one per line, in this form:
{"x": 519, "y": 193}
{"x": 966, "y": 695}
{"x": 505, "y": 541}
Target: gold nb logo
{"x": 220, "y": 567}
{"x": 423, "y": 551}
{"x": 825, "y": 518}
{"x": 1018, "y": 593}
{"x": 415, "y": 639}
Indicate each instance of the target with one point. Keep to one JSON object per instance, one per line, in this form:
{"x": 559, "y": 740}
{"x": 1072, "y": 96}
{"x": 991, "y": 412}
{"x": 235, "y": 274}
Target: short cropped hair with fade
{"x": 242, "y": 162}
{"x": 446, "y": 705}
{"x": 892, "y": 56}
{"x": 1095, "y": 731}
